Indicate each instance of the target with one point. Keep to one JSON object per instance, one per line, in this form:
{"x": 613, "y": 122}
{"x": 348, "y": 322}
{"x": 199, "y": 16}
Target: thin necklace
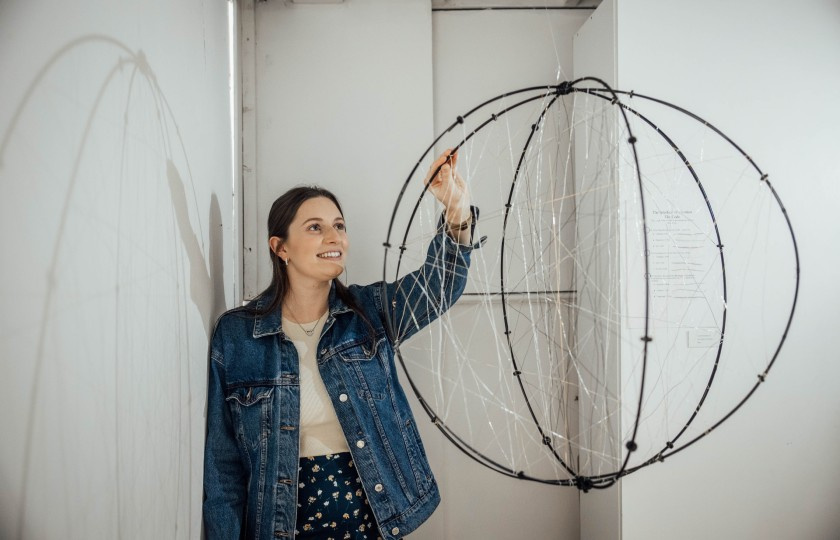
{"x": 307, "y": 332}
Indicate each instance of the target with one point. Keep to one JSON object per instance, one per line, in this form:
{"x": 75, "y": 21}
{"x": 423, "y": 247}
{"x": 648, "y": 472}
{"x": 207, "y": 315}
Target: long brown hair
{"x": 280, "y": 217}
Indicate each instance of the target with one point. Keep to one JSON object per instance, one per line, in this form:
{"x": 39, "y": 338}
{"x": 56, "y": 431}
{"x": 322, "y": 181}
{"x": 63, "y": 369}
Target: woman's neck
{"x": 306, "y": 303}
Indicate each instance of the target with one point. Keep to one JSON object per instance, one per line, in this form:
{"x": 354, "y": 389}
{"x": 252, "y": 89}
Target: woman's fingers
{"x": 436, "y": 169}
{"x": 436, "y": 164}
{"x": 440, "y": 162}
{"x": 446, "y": 162}
{"x": 446, "y": 185}
{"x": 453, "y": 157}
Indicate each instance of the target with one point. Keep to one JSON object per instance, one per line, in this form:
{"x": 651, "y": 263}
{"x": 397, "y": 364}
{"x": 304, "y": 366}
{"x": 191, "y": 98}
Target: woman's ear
{"x": 276, "y": 245}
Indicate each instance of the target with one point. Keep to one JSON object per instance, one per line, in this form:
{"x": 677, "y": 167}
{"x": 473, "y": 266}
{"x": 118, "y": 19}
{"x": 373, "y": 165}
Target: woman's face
{"x": 317, "y": 243}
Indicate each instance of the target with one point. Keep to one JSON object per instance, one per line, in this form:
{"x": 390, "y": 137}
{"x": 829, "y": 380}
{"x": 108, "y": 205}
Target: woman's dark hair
{"x": 280, "y": 217}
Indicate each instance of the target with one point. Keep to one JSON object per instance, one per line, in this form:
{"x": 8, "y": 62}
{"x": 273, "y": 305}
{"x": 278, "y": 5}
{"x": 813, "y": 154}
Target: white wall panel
{"x": 763, "y": 72}
{"x": 116, "y": 228}
{"x": 598, "y": 239}
{"x": 343, "y": 99}
{"x": 477, "y": 56}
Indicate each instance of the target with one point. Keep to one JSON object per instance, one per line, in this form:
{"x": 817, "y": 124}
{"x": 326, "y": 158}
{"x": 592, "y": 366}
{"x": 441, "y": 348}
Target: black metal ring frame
{"x": 552, "y": 93}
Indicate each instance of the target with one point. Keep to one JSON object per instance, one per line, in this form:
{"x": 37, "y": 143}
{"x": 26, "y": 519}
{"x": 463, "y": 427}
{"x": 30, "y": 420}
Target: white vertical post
{"x": 250, "y": 227}
{"x": 598, "y": 241}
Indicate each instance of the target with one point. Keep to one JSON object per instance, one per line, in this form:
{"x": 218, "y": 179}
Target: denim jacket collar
{"x": 270, "y": 323}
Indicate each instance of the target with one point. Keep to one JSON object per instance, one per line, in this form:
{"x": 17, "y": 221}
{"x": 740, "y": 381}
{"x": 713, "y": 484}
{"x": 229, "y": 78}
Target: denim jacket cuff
{"x": 453, "y": 247}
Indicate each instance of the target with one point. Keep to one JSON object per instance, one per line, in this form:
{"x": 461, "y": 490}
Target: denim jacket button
{"x": 378, "y": 488}
{"x": 360, "y": 444}
{"x": 323, "y": 352}
{"x": 395, "y": 531}
{"x": 342, "y": 398}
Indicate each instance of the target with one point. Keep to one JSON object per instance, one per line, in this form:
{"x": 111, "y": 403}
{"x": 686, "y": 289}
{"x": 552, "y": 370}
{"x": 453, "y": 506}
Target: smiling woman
{"x": 309, "y": 431}
{"x": 312, "y": 249}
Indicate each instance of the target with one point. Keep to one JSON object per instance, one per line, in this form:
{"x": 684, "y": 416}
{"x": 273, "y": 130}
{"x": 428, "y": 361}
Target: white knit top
{"x": 320, "y": 432}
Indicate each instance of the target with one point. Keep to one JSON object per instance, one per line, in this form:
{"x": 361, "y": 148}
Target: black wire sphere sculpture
{"x": 637, "y": 279}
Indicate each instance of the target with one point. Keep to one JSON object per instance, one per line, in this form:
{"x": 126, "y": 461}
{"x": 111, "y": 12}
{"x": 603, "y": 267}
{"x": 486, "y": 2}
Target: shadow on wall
{"x": 201, "y": 281}
{"x": 101, "y": 342}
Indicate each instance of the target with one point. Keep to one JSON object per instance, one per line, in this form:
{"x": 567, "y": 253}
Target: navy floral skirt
{"x": 331, "y": 502}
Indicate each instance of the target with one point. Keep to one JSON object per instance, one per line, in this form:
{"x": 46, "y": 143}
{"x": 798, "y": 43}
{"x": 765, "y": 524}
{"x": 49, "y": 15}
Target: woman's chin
{"x": 337, "y": 272}
{"x": 322, "y": 274}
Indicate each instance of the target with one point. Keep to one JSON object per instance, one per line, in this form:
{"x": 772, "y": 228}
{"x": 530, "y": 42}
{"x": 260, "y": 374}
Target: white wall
{"x": 344, "y": 100}
{"x": 479, "y": 55}
{"x": 766, "y": 74}
{"x": 116, "y": 227}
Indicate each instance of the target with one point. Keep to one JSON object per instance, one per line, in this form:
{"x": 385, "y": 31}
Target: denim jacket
{"x": 253, "y": 404}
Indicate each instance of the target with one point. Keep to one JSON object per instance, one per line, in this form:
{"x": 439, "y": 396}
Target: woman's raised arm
{"x": 418, "y": 298}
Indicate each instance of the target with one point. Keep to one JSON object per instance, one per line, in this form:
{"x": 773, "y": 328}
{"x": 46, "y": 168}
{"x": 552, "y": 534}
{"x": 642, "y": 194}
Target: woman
{"x": 309, "y": 434}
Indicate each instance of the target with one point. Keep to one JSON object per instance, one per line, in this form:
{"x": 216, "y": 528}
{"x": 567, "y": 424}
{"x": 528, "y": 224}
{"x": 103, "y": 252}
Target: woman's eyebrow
{"x": 339, "y": 218}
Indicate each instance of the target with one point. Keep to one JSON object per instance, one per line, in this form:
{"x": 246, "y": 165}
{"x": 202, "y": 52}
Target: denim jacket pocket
{"x": 417, "y": 456}
{"x": 367, "y": 365}
{"x": 360, "y": 350}
{"x": 251, "y": 408}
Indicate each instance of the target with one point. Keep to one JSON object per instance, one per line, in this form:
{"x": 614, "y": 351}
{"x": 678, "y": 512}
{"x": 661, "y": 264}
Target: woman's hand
{"x": 451, "y": 190}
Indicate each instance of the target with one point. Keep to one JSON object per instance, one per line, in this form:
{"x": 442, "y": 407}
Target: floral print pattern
{"x": 331, "y": 502}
